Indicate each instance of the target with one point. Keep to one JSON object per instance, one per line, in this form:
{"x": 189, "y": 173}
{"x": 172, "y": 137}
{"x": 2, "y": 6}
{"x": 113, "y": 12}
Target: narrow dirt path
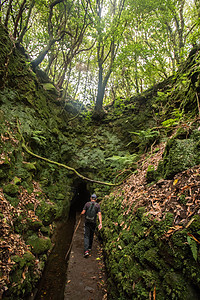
{"x": 85, "y": 276}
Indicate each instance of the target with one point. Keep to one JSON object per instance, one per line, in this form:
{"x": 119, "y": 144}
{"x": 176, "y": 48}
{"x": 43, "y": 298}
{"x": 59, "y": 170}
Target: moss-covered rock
{"x": 23, "y": 277}
{"x": 46, "y": 212}
{"x": 151, "y": 174}
{"x": 34, "y": 225}
{"x": 179, "y": 155}
{"x": 39, "y": 245}
{"x": 11, "y": 189}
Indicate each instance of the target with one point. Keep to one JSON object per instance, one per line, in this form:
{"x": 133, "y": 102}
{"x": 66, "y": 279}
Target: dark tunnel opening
{"x": 81, "y": 196}
{"x": 52, "y": 283}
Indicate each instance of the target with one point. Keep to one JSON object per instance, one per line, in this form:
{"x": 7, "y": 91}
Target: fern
{"x": 144, "y": 138}
{"x": 122, "y": 161}
{"x": 146, "y": 134}
{"x": 169, "y": 123}
{"x": 36, "y": 136}
{"x": 193, "y": 246}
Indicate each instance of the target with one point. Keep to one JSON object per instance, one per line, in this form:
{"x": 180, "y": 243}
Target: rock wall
{"x": 151, "y": 237}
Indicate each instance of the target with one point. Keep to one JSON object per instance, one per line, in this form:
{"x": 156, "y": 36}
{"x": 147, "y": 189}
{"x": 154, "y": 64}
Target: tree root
{"x": 62, "y": 165}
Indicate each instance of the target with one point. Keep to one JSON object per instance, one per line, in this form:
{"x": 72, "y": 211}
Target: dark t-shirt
{"x": 97, "y": 207}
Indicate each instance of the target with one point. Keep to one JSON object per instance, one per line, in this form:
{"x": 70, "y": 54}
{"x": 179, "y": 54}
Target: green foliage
{"x": 138, "y": 255}
{"x": 193, "y": 246}
{"x": 169, "y": 123}
{"x": 144, "y": 138}
{"x": 38, "y": 137}
{"x": 177, "y": 116}
{"x": 122, "y": 161}
{"x": 146, "y": 134}
{"x": 178, "y": 156}
{"x": 8, "y": 95}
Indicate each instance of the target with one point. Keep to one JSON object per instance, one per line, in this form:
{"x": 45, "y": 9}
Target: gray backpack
{"x": 90, "y": 215}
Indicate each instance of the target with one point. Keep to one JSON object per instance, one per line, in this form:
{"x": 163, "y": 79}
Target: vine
{"x": 64, "y": 166}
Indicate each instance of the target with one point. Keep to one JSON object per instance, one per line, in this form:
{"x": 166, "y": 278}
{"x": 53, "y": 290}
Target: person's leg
{"x": 92, "y": 230}
{"x": 86, "y": 237}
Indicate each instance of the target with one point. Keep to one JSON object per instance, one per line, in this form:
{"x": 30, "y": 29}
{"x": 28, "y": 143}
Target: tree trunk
{"x": 42, "y": 54}
{"x": 101, "y": 89}
{"x": 100, "y": 92}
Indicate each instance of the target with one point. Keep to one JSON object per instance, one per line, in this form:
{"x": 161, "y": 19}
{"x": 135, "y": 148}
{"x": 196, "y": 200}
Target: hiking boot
{"x": 86, "y": 254}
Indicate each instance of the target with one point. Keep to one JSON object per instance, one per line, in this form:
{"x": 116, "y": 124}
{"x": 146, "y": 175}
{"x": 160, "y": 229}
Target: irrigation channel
{"x": 52, "y": 283}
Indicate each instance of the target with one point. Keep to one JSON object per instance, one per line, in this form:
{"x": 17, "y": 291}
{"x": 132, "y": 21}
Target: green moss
{"x": 191, "y": 271}
{"x": 179, "y": 155}
{"x": 16, "y": 180}
{"x": 142, "y": 258}
{"x": 176, "y": 287}
{"x": 46, "y": 212}
{"x": 23, "y": 173}
{"x": 45, "y": 230}
{"x": 39, "y": 245}
{"x": 50, "y": 88}
{"x": 11, "y": 189}
{"x": 195, "y": 225}
{"x": 151, "y": 174}
{"x": 34, "y": 225}
{"x": 19, "y": 226}
{"x": 21, "y": 281}
{"x": 3, "y": 174}
{"x": 5, "y": 166}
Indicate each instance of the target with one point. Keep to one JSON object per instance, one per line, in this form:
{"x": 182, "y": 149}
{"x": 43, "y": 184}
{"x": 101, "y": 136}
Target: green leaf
{"x": 193, "y": 246}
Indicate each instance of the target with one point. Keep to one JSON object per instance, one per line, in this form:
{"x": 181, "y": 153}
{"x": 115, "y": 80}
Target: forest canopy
{"x": 97, "y": 51}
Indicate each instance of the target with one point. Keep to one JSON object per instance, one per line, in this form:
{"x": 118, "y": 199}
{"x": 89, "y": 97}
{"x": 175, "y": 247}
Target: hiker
{"x": 91, "y": 209}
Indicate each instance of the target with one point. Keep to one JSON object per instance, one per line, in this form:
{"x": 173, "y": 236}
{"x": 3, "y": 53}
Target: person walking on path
{"x": 91, "y": 209}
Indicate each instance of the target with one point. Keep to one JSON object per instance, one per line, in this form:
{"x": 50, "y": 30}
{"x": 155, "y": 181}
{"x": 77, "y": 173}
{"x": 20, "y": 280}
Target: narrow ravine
{"x": 52, "y": 283}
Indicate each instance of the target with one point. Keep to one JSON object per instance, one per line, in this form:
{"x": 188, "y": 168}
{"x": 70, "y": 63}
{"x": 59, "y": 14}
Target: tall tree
{"x": 108, "y": 24}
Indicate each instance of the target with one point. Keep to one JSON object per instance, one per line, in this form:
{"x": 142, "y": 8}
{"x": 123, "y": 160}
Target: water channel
{"x": 52, "y": 283}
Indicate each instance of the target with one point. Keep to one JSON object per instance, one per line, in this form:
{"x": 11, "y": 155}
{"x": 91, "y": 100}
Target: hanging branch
{"x": 62, "y": 165}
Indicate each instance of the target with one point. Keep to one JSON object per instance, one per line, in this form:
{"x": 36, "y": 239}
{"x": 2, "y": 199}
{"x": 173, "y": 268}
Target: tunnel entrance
{"x": 81, "y": 195}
